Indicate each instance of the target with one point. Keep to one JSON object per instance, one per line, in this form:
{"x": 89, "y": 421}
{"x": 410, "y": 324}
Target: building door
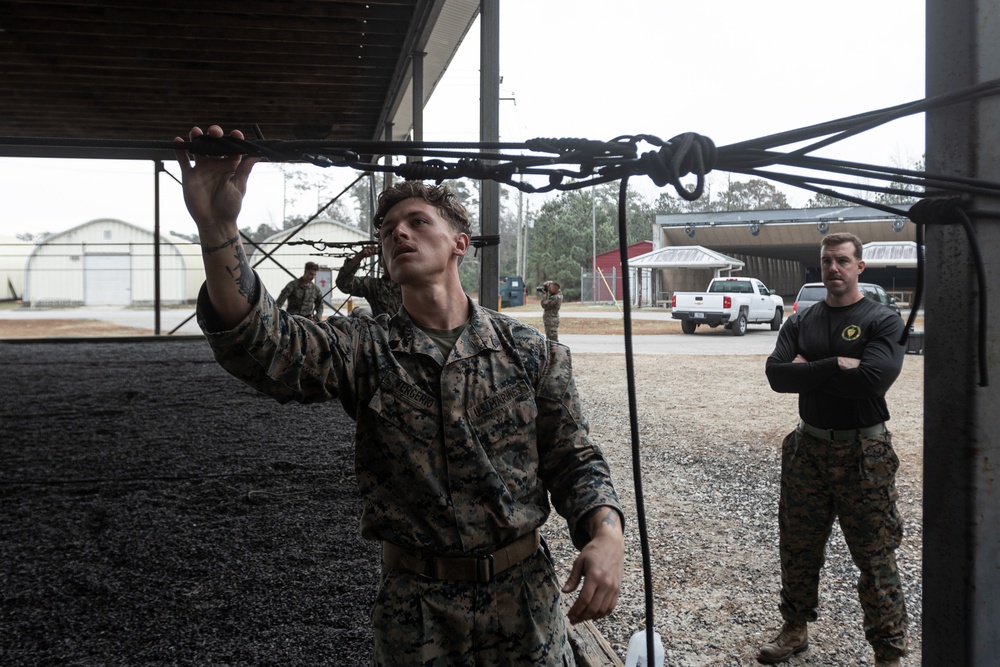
{"x": 107, "y": 280}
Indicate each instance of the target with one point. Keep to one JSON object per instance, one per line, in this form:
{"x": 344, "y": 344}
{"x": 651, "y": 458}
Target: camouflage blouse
{"x": 456, "y": 455}
{"x": 303, "y": 299}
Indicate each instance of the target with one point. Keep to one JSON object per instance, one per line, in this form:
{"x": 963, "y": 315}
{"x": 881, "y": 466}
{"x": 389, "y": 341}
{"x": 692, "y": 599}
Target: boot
{"x": 887, "y": 662}
{"x": 793, "y": 638}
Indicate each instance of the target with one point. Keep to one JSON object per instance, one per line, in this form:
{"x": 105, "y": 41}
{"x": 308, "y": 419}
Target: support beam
{"x": 961, "y": 581}
{"x": 157, "y": 170}
{"x": 417, "y": 66}
{"x": 489, "y": 130}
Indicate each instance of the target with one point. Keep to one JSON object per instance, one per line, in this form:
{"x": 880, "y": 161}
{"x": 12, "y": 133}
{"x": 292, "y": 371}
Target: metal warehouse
{"x": 111, "y": 263}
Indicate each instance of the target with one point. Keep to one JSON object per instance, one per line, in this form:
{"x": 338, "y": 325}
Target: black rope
{"x": 640, "y": 505}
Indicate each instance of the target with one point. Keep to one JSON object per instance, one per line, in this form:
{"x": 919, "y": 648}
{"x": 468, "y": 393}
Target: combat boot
{"x": 793, "y": 638}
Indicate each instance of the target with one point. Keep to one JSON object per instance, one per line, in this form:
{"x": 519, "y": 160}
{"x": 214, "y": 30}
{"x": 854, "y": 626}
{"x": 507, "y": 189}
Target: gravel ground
{"x": 143, "y": 524}
{"x": 710, "y": 431}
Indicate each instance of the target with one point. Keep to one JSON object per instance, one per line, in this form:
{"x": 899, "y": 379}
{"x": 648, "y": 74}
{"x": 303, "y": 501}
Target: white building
{"x": 13, "y": 254}
{"x": 276, "y": 252}
{"x": 110, "y": 263}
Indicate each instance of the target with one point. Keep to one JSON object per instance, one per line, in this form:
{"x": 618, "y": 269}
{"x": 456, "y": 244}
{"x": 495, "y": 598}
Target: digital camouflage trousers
{"x": 516, "y": 619}
{"x": 551, "y": 323}
{"x": 853, "y": 481}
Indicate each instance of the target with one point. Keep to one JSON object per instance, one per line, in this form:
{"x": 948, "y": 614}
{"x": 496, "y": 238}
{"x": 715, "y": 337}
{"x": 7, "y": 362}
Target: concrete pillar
{"x": 961, "y": 582}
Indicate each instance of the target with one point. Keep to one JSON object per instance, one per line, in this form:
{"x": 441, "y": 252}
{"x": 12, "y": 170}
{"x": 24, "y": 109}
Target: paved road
{"x": 758, "y": 339}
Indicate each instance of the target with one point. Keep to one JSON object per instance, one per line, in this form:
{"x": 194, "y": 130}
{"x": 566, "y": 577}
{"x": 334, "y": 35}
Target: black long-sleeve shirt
{"x": 830, "y": 397}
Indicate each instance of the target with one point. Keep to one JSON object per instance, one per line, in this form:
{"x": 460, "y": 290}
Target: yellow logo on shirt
{"x": 851, "y": 332}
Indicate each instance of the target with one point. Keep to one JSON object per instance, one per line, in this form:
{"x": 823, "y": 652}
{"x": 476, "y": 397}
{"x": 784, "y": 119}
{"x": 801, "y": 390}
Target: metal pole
{"x": 593, "y": 259}
{"x": 489, "y": 131}
{"x": 520, "y": 232}
{"x": 387, "y": 176}
{"x": 417, "y": 66}
{"x": 961, "y": 583}
{"x": 157, "y": 169}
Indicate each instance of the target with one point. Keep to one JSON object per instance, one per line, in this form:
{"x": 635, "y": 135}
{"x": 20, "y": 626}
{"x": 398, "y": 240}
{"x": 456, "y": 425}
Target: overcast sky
{"x": 728, "y": 69}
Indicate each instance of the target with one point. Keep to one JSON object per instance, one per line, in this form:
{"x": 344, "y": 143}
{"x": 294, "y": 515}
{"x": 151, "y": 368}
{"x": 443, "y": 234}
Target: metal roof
{"x": 882, "y": 254}
{"x": 685, "y": 257}
{"x": 136, "y": 70}
{"x": 784, "y": 234}
{"x": 788, "y": 216}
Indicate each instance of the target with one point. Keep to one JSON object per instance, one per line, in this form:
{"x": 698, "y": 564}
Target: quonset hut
{"x": 109, "y": 262}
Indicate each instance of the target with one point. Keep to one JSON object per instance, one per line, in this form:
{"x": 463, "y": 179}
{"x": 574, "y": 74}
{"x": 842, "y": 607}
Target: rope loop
{"x": 687, "y": 153}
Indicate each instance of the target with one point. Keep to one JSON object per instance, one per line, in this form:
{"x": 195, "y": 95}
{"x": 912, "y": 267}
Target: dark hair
{"x": 841, "y": 238}
{"x": 439, "y": 196}
{"x": 312, "y": 266}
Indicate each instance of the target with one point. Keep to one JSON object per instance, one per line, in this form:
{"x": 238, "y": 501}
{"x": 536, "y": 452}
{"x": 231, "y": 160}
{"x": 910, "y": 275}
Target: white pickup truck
{"x": 730, "y": 302}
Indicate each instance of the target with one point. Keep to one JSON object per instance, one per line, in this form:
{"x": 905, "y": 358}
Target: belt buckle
{"x": 484, "y": 569}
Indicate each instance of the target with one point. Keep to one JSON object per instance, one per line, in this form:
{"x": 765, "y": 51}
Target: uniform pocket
{"x": 504, "y": 424}
{"x": 879, "y": 462}
{"x": 404, "y": 407}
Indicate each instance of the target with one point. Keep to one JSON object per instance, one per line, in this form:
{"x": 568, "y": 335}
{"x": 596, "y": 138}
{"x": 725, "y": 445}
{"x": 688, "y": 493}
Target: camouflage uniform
{"x": 550, "y": 317}
{"x": 453, "y": 457}
{"x": 847, "y": 476}
{"x": 303, "y": 299}
{"x": 383, "y": 295}
{"x": 859, "y": 475}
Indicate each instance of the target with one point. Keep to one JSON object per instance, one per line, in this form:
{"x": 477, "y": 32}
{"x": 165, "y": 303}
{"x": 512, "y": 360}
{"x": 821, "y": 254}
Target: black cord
{"x": 640, "y": 505}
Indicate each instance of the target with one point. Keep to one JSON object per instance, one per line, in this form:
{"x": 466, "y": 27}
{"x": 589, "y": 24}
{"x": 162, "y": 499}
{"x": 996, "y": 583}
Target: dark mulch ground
{"x": 156, "y": 511}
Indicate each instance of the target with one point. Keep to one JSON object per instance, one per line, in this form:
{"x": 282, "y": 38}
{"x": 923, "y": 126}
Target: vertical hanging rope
{"x": 640, "y": 507}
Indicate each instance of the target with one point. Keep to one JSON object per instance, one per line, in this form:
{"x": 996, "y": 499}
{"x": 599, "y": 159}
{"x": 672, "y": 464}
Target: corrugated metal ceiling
{"x": 134, "y": 70}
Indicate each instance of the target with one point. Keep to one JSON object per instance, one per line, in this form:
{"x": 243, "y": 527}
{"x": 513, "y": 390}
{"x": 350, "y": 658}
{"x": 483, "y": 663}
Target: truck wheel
{"x": 776, "y": 320}
{"x": 739, "y": 325}
{"x": 688, "y": 327}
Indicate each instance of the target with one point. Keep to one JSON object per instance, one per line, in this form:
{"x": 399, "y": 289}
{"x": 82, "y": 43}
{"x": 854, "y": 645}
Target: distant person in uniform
{"x": 469, "y": 430}
{"x": 552, "y": 300}
{"x": 304, "y": 296}
{"x": 840, "y": 356}
{"x": 382, "y": 295}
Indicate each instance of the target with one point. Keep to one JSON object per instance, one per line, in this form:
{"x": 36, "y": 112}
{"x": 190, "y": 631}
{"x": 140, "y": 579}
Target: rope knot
{"x": 687, "y": 153}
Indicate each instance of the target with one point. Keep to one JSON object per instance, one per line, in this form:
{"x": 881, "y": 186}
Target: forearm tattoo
{"x": 244, "y": 279}
{"x": 230, "y": 242}
{"x": 610, "y": 519}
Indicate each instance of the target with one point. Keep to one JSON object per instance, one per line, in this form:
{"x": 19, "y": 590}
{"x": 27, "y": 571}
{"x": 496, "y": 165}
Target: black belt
{"x": 842, "y": 434}
{"x": 461, "y": 568}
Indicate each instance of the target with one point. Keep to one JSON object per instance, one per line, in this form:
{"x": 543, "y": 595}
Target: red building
{"x": 609, "y": 274}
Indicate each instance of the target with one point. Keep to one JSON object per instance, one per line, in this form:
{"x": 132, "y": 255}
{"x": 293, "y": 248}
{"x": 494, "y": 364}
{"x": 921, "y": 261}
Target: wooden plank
{"x": 590, "y": 647}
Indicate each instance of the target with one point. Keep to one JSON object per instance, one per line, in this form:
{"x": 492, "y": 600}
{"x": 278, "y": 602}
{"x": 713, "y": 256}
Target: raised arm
{"x": 213, "y": 192}
{"x": 345, "y": 277}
